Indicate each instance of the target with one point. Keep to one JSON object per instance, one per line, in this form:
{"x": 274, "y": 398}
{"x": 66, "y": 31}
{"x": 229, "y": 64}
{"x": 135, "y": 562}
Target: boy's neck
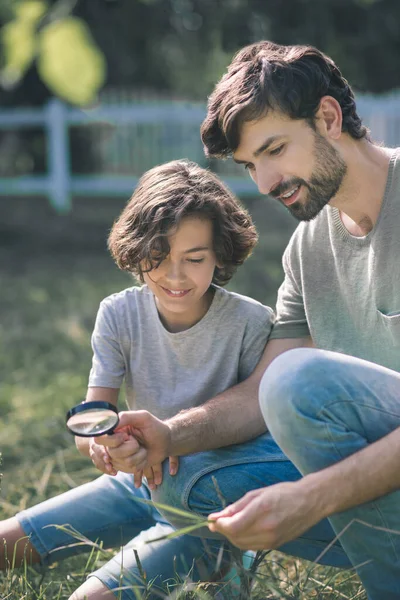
{"x": 177, "y": 322}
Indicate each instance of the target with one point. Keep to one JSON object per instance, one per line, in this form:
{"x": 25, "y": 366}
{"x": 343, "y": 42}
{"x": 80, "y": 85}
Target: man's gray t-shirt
{"x": 343, "y": 290}
{"x": 167, "y": 372}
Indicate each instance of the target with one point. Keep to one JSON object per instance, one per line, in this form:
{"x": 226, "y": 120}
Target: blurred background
{"x": 92, "y": 93}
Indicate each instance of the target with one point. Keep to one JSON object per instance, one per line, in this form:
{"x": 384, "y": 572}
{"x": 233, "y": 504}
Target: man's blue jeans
{"x": 320, "y": 407}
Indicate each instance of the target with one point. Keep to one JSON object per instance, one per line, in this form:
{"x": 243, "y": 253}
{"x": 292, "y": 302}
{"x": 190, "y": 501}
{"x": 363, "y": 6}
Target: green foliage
{"x": 68, "y": 60}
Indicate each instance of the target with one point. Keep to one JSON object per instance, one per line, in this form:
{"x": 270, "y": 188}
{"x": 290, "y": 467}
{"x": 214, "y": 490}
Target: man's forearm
{"x": 230, "y": 418}
{"x": 362, "y": 477}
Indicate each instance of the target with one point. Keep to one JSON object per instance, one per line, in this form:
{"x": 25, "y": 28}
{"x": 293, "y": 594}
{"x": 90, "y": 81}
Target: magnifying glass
{"x": 91, "y": 419}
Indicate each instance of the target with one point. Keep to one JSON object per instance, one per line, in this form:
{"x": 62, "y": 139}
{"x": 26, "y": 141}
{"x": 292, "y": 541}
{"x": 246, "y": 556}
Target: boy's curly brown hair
{"x": 164, "y": 196}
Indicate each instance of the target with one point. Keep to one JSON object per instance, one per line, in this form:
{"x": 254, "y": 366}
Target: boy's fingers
{"x": 137, "y": 478}
{"x": 173, "y": 465}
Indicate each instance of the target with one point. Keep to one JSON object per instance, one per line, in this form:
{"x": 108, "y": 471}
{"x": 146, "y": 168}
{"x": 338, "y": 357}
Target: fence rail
{"x": 127, "y": 139}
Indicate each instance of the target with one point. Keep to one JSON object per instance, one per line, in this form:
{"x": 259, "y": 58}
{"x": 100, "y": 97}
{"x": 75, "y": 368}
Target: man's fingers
{"x": 235, "y": 507}
{"x": 112, "y": 441}
{"x": 173, "y": 465}
{"x": 237, "y": 520}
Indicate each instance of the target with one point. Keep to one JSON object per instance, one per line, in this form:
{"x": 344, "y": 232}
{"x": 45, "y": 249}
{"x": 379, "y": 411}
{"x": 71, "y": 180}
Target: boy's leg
{"x": 109, "y": 510}
{"x": 15, "y": 547}
{"x": 206, "y": 481}
{"x": 322, "y": 407}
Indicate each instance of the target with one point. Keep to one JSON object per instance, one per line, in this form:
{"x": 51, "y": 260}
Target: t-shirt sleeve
{"x": 254, "y": 340}
{"x": 291, "y": 321}
{"x": 108, "y": 364}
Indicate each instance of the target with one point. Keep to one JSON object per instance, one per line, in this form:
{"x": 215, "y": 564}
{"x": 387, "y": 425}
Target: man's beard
{"x": 329, "y": 172}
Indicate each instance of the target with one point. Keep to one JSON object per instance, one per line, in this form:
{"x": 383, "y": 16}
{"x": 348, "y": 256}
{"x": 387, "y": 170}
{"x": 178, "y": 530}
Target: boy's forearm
{"x": 362, "y": 477}
{"x": 82, "y": 443}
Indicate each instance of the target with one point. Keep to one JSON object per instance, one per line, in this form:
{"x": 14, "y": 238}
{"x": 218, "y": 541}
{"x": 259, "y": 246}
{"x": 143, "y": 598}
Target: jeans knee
{"x": 290, "y": 386}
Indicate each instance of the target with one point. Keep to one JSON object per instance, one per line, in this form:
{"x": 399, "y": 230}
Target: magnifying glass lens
{"x": 92, "y": 418}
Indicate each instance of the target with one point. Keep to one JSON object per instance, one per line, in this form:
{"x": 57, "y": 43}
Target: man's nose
{"x": 266, "y": 180}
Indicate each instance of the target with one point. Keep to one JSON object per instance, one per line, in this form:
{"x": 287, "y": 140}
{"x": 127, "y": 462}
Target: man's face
{"x": 291, "y": 162}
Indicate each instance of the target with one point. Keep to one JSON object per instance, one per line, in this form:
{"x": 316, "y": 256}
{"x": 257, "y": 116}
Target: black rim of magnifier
{"x": 85, "y": 406}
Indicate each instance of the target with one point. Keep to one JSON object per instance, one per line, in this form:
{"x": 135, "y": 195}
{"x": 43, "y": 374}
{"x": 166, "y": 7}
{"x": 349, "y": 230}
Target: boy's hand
{"x": 100, "y": 458}
{"x": 154, "y": 474}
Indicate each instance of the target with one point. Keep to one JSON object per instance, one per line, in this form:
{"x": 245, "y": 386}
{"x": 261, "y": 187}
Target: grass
{"x": 48, "y": 303}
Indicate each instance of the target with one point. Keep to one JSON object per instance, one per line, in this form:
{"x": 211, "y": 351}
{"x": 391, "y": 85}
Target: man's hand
{"x": 140, "y": 441}
{"x": 268, "y": 517}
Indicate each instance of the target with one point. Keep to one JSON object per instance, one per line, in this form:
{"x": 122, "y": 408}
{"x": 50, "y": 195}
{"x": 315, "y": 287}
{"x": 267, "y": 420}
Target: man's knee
{"x": 290, "y": 386}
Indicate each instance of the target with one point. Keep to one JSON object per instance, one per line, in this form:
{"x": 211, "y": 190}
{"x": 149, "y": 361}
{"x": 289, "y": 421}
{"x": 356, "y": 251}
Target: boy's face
{"x": 181, "y": 282}
{"x": 291, "y": 162}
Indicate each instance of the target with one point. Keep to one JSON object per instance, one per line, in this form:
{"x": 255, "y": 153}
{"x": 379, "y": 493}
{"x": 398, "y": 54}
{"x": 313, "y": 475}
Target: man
{"x": 287, "y": 114}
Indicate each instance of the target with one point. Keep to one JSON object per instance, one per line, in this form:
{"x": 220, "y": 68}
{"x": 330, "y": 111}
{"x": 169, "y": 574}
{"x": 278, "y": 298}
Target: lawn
{"x": 50, "y": 291}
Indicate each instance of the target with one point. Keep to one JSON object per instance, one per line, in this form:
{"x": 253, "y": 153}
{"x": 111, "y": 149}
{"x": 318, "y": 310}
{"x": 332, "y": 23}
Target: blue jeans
{"x": 322, "y": 407}
{"x": 107, "y": 510}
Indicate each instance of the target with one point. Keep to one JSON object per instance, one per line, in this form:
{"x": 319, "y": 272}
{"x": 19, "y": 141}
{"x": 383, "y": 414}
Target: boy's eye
{"x": 196, "y": 260}
{"x": 248, "y": 166}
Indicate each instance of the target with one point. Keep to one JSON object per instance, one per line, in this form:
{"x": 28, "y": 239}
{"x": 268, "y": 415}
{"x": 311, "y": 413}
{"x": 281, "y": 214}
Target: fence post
{"x": 58, "y": 156}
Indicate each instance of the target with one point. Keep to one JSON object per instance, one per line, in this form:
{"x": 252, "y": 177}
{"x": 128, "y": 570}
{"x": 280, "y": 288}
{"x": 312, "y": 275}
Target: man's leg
{"x": 322, "y": 407}
{"x": 206, "y": 481}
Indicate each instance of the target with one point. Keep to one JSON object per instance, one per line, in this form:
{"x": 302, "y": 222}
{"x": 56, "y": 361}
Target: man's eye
{"x": 277, "y": 150}
{"x": 196, "y": 260}
{"x": 249, "y": 166}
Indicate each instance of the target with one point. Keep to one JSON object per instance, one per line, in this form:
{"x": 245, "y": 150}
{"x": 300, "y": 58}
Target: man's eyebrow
{"x": 264, "y": 146}
{"x": 197, "y": 249}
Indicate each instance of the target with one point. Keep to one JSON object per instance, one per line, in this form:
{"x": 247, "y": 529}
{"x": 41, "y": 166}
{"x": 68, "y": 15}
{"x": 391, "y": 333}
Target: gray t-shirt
{"x": 167, "y": 372}
{"x": 343, "y": 290}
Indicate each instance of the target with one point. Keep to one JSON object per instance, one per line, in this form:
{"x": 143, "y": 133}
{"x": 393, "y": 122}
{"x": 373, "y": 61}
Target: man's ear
{"x": 329, "y": 117}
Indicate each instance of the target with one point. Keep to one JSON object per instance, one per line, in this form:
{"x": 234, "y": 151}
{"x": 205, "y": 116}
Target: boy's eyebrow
{"x": 197, "y": 249}
{"x": 264, "y": 146}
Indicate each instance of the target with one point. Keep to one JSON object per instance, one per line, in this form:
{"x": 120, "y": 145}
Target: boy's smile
{"x": 181, "y": 282}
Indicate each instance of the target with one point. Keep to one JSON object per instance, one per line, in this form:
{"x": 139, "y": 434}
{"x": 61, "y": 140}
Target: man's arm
{"x": 270, "y": 517}
{"x": 232, "y": 417}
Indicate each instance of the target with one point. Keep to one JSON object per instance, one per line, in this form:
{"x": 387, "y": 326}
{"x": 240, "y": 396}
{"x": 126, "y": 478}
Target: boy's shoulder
{"x": 127, "y": 298}
{"x": 243, "y": 306}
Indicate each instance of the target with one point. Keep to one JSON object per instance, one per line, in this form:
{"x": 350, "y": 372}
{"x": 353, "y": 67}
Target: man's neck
{"x": 360, "y": 198}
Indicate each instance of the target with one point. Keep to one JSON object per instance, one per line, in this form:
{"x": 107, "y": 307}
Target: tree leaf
{"x": 69, "y": 62}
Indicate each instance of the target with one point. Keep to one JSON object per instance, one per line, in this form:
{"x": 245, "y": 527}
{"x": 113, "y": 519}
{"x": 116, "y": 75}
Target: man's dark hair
{"x": 164, "y": 196}
{"x": 267, "y": 76}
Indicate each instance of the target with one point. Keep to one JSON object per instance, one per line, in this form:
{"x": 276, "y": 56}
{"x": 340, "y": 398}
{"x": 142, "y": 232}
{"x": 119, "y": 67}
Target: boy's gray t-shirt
{"x": 167, "y": 372}
{"x": 343, "y": 290}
